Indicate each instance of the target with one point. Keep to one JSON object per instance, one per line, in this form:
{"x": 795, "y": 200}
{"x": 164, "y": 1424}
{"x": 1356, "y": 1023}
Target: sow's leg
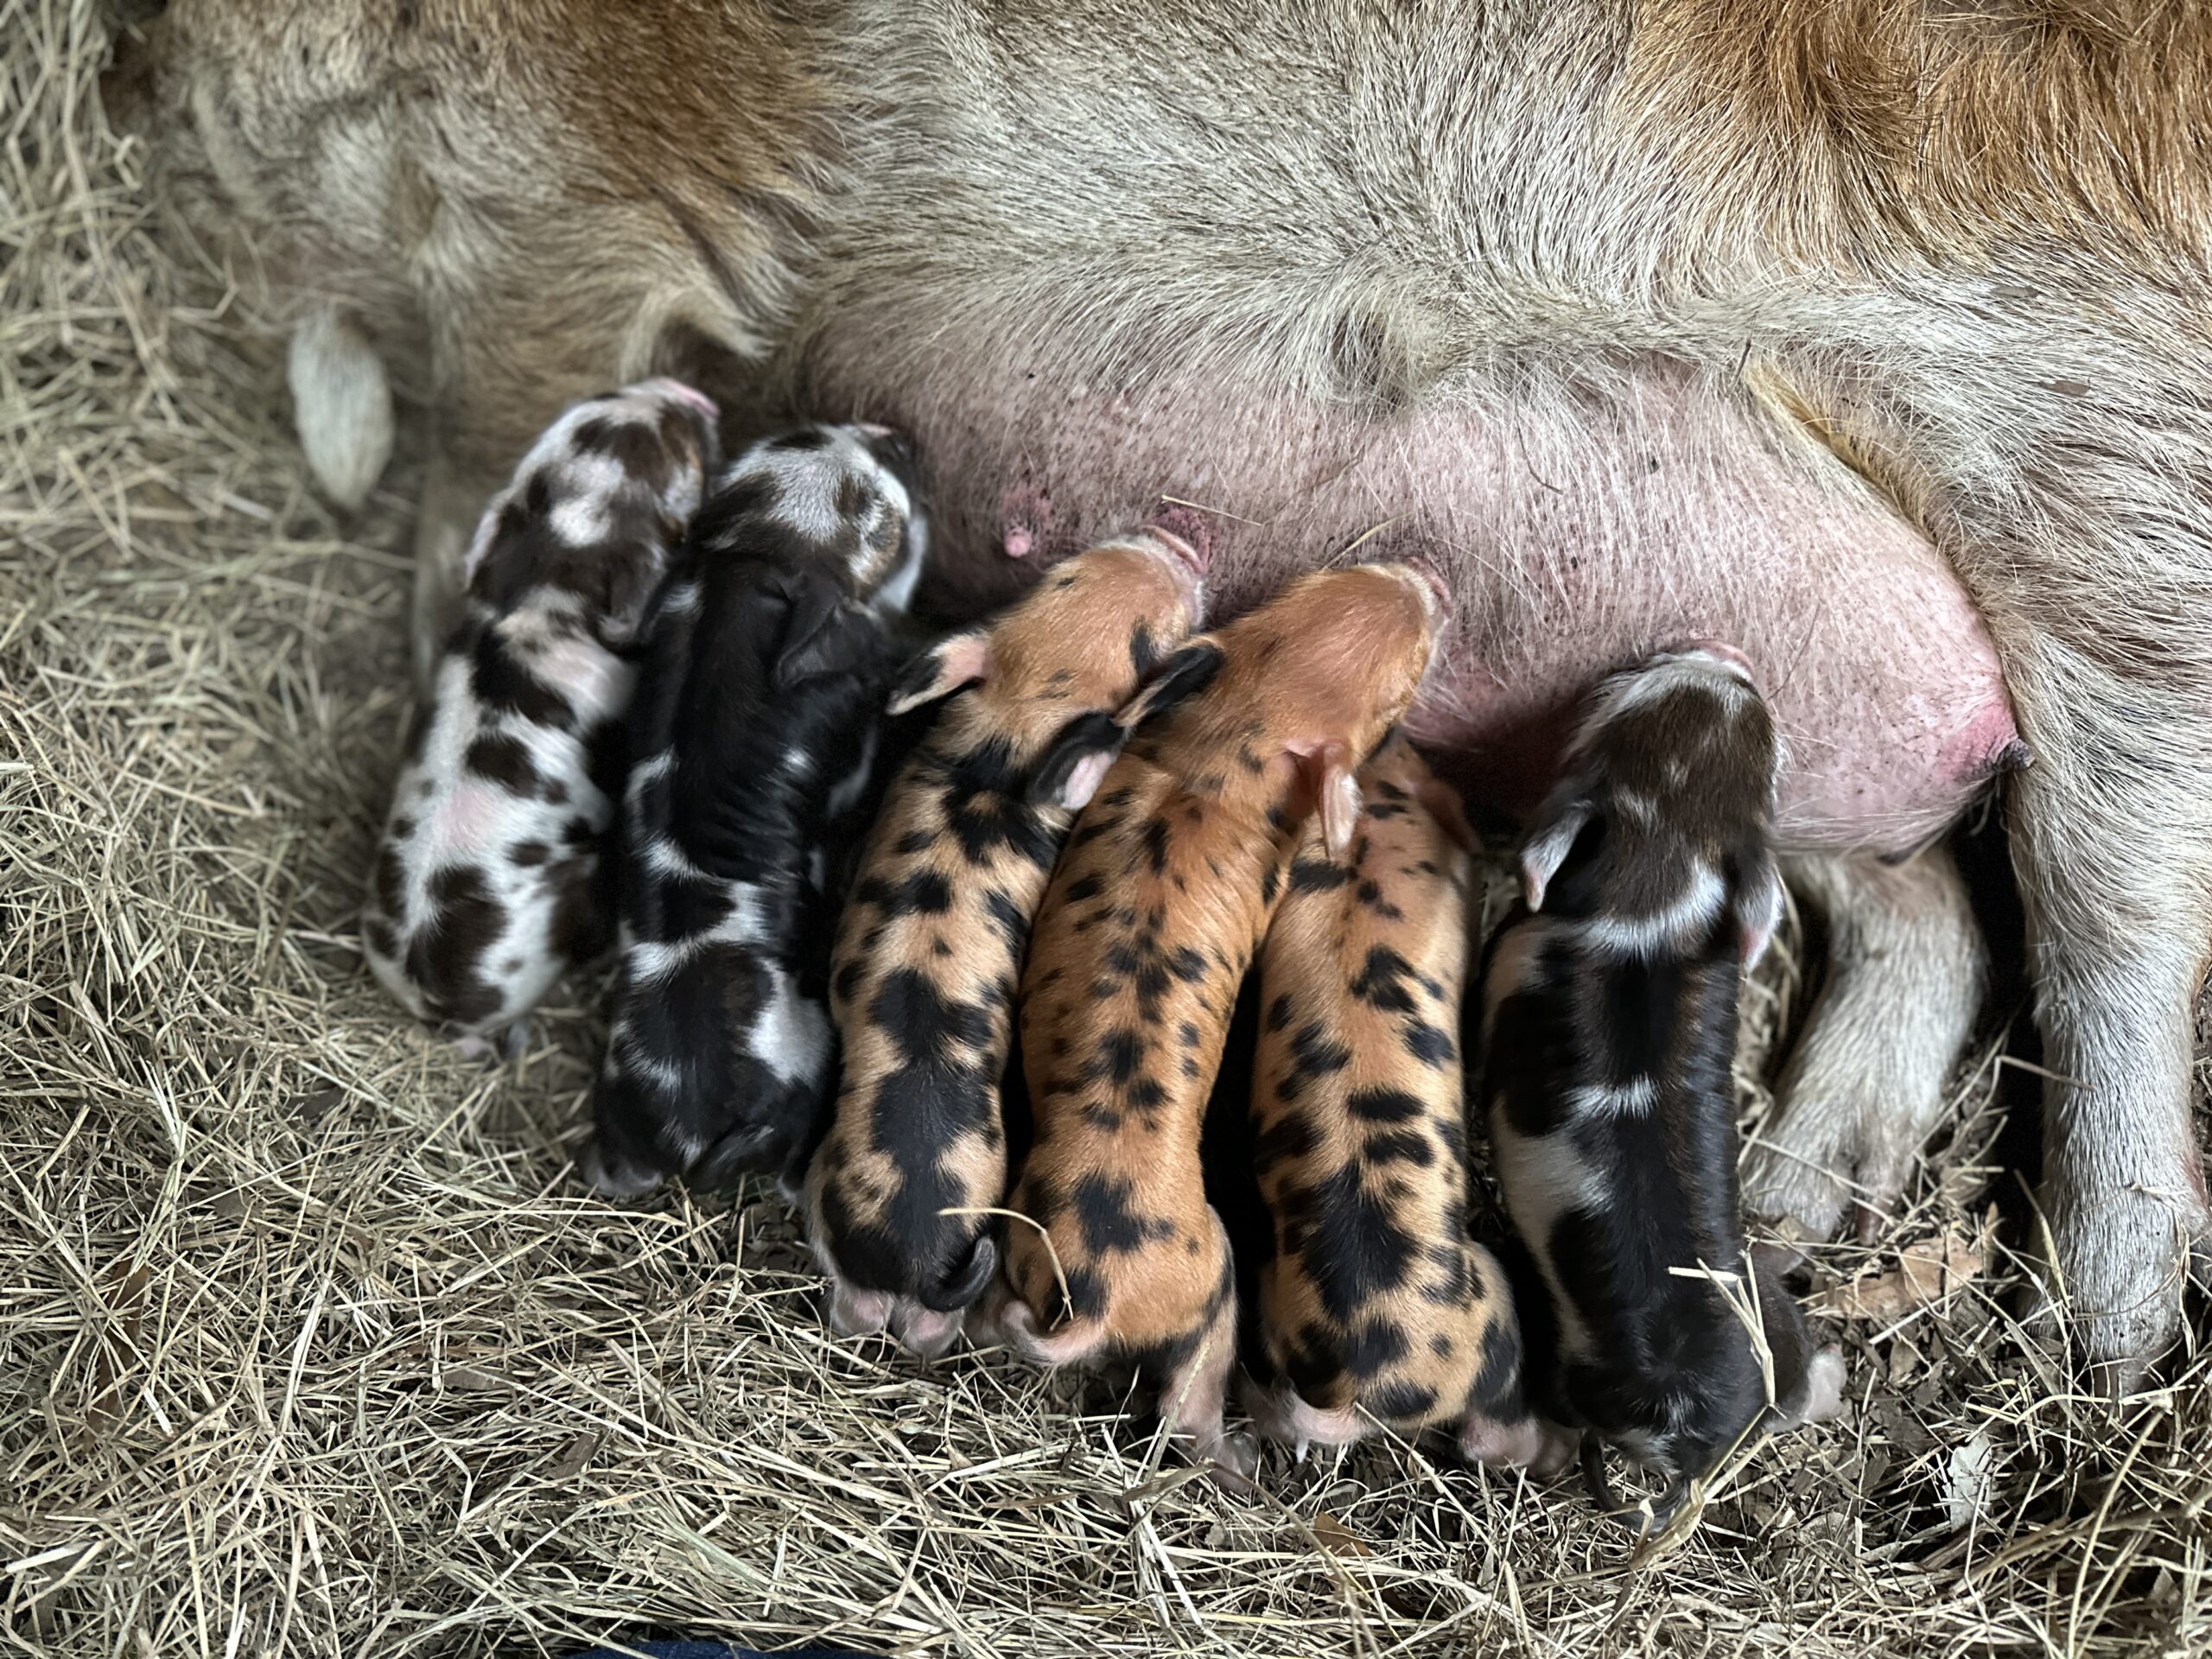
{"x": 2095, "y": 573}
{"x": 2114, "y": 857}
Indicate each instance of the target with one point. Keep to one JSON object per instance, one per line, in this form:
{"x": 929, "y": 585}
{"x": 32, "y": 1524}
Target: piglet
{"x": 1376, "y": 1308}
{"x": 768, "y": 659}
{"x": 489, "y": 880}
{"x": 1167, "y": 884}
{"x": 932, "y": 939}
{"x": 1610, "y": 1008}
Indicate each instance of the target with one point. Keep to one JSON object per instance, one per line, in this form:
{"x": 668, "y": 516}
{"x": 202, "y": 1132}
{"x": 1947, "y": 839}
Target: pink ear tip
{"x": 667, "y": 386}
{"x": 1432, "y": 577}
{"x": 1186, "y": 533}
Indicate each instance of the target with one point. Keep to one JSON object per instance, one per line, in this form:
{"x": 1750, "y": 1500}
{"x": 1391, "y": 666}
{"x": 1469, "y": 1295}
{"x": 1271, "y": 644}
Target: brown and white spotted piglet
{"x": 1376, "y": 1307}
{"x": 1610, "y": 1008}
{"x": 1167, "y": 885}
{"x": 491, "y": 879}
{"x": 930, "y": 946}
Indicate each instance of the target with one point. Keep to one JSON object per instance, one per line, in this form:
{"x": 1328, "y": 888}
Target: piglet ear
{"x": 1069, "y": 773}
{"x": 1182, "y": 676}
{"x": 1340, "y": 804}
{"x": 1326, "y": 769}
{"x": 1547, "y": 849}
{"x": 1756, "y": 907}
{"x": 820, "y": 635}
{"x": 960, "y": 659}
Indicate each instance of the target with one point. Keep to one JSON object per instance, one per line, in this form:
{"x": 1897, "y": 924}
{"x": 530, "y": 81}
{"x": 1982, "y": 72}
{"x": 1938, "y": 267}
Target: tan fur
{"x": 1943, "y": 129}
{"x": 1164, "y": 893}
{"x": 1357, "y": 960}
{"x": 1064, "y": 651}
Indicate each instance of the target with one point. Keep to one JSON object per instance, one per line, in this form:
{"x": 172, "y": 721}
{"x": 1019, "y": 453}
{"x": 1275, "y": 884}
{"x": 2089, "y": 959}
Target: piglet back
{"x": 762, "y": 684}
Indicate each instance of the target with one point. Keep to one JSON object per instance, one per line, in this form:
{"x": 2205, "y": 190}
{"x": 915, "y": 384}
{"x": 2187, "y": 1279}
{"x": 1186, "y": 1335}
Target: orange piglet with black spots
{"x": 1376, "y": 1308}
{"x": 900, "y": 1195}
{"x": 1165, "y": 889}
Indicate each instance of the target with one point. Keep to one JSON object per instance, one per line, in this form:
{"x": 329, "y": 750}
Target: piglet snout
{"x": 893, "y": 451}
{"x": 1184, "y": 544}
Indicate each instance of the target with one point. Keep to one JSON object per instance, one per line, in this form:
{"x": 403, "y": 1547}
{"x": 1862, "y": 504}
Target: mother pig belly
{"x": 1578, "y": 532}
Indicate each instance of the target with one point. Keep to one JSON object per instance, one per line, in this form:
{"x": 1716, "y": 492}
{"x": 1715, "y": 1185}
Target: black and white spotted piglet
{"x": 489, "y": 880}
{"x": 1609, "y": 1026}
{"x": 767, "y": 665}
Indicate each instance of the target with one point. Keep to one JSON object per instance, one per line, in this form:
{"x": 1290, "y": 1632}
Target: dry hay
{"x": 308, "y": 1342}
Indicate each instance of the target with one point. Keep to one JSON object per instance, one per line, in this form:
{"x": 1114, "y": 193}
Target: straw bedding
{"x": 309, "y": 1343}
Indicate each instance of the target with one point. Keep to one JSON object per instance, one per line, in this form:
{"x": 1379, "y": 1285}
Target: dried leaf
{"x": 1336, "y": 1537}
{"x": 1905, "y": 1360}
{"x": 1926, "y": 1272}
{"x": 1969, "y": 1482}
{"x": 470, "y": 1379}
{"x": 572, "y": 1458}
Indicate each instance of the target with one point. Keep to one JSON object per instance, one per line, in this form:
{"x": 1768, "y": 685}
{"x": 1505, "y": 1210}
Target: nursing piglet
{"x": 1168, "y": 882}
{"x": 489, "y": 881}
{"x": 932, "y": 939}
{"x": 766, "y": 666}
{"x": 1608, "y": 1027}
{"x": 1376, "y": 1307}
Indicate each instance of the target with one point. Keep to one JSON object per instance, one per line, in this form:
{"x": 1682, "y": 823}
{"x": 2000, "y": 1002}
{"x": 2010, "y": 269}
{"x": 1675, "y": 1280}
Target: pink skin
{"x": 1528, "y": 1444}
{"x": 1278, "y": 1414}
{"x": 1726, "y": 653}
{"x": 857, "y": 1313}
{"x": 1572, "y": 539}
{"x": 683, "y": 394}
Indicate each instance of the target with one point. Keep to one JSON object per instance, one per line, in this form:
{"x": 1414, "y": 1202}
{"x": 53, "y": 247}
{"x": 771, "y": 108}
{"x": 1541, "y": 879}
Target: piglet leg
{"x": 1865, "y": 1083}
{"x": 1191, "y": 1400}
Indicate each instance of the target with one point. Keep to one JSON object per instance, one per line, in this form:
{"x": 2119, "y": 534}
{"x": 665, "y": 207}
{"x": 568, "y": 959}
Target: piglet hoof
{"x": 1264, "y": 1406}
{"x": 611, "y": 1180}
{"x": 495, "y": 1048}
{"x": 984, "y": 1327}
{"x": 1501, "y": 1445}
{"x": 1555, "y": 1453}
{"x": 858, "y": 1313}
{"x": 924, "y": 1332}
{"x": 1231, "y": 1462}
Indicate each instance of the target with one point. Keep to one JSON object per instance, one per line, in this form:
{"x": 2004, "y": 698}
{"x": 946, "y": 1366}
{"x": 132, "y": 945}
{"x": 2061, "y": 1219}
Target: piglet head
{"x": 1670, "y": 788}
{"x": 852, "y": 491}
{"x": 1328, "y": 667}
{"x": 1348, "y": 651}
{"x": 597, "y": 503}
{"x": 1051, "y": 673}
